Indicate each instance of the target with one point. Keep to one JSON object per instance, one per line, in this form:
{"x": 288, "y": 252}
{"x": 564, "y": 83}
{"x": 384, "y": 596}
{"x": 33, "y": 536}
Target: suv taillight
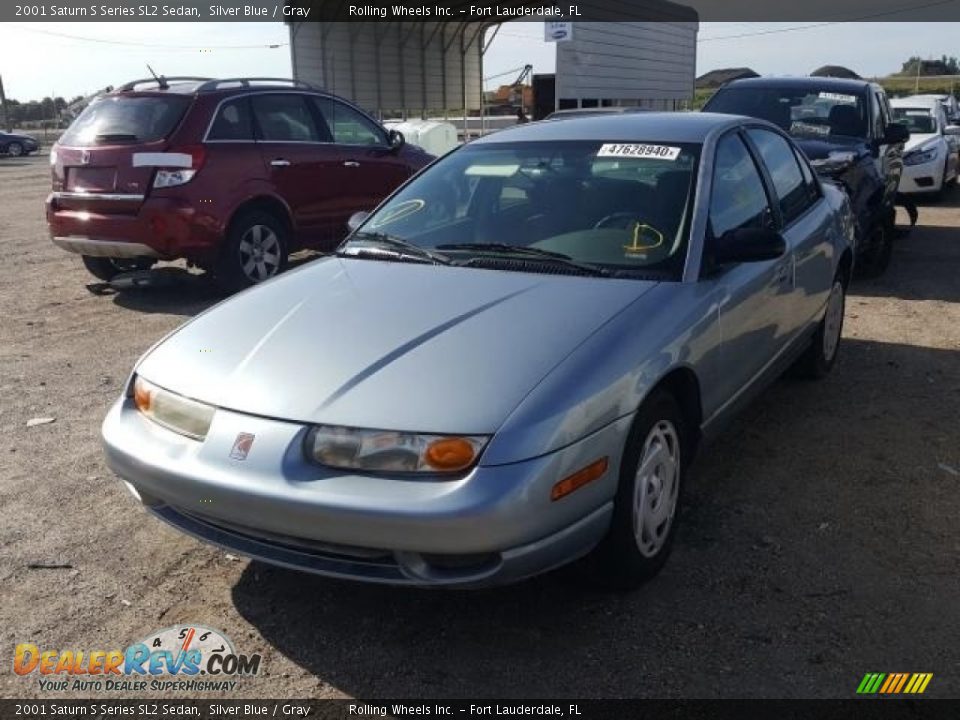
{"x": 180, "y": 174}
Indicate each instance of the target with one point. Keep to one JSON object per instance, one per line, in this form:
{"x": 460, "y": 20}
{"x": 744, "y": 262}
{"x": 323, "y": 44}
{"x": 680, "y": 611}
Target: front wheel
{"x": 875, "y": 259}
{"x": 255, "y": 250}
{"x": 819, "y": 357}
{"x": 106, "y": 268}
{"x": 14, "y": 149}
{"x": 648, "y": 494}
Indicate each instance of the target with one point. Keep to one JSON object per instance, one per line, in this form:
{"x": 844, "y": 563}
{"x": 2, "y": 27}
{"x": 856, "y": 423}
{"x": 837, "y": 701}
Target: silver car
{"x": 507, "y": 366}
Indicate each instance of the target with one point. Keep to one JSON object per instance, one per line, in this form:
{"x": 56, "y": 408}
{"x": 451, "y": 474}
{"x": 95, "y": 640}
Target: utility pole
{"x": 3, "y": 109}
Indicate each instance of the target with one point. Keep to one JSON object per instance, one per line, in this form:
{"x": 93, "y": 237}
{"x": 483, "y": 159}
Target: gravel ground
{"x": 820, "y": 540}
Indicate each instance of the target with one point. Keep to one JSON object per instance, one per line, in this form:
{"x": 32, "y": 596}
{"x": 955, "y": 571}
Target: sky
{"x": 69, "y": 59}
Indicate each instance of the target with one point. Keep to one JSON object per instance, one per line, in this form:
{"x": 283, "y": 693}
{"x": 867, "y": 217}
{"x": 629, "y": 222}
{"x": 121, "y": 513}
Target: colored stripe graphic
{"x": 894, "y": 683}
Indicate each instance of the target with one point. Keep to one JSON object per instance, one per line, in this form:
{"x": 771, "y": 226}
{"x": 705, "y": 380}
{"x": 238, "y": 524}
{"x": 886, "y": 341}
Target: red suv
{"x": 232, "y": 175}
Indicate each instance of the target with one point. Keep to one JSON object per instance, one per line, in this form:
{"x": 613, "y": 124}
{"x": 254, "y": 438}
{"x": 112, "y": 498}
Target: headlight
{"x": 171, "y": 178}
{"x": 835, "y": 162}
{"x": 53, "y": 156}
{"x": 175, "y": 412}
{"x": 920, "y": 156}
{"x": 387, "y": 451}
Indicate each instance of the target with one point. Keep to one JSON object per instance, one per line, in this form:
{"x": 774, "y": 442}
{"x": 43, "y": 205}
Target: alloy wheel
{"x": 259, "y": 253}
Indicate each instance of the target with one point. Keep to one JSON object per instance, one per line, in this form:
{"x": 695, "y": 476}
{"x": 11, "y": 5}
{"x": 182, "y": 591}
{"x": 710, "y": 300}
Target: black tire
{"x": 618, "y": 563}
{"x": 255, "y": 250}
{"x": 821, "y": 355}
{"x": 875, "y": 259}
{"x": 15, "y": 149}
{"x": 106, "y": 269}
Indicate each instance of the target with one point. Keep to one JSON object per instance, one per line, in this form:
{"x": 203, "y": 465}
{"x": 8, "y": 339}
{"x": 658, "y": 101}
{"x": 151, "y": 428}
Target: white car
{"x": 931, "y": 157}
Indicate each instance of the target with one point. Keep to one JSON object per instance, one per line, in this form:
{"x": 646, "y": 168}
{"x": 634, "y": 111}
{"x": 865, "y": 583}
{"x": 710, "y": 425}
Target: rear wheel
{"x": 255, "y": 250}
{"x": 819, "y": 358}
{"x": 14, "y": 149}
{"x": 875, "y": 259}
{"x": 648, "y": 495}
{"x": 107, "y": 269}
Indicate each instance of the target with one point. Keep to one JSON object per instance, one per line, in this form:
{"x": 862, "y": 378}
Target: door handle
{"x": 351, "y": 163}
{"x": 280, "y": 162}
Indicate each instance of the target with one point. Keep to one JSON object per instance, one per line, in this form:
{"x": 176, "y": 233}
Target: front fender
{"x": 607, "y": 377}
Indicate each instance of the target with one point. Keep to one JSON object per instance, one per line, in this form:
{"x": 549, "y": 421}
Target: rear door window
{"x": 233, "y": 122}
{"x": 126, "y": 119}
{"x": 781, "y": 163}
{"x": 283, "y": 117}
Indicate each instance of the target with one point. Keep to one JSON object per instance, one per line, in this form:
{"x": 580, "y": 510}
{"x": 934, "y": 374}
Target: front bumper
{"x": 495, "y": 525}
{"x": 925, "y": 178}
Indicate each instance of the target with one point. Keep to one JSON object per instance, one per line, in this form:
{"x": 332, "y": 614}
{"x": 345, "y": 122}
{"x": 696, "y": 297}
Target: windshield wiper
{"x": 540, "y": 253}
{"x": 401, "y": 247}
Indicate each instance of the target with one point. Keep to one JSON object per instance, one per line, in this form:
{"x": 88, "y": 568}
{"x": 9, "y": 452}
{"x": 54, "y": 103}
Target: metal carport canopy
{"x": 401, "y": 66}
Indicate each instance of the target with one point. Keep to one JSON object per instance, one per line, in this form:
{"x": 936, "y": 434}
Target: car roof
{"x": 819, "y": 83}
{"x": 577, "y": 112}
{"x": 682, "y": 127}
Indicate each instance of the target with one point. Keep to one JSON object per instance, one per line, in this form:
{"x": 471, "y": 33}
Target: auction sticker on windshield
{"x": 839, "y": 97}
{"x": 658, "y": 152}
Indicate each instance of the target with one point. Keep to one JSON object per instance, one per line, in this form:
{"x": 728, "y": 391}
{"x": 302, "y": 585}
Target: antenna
{"x": 161, "y": 81}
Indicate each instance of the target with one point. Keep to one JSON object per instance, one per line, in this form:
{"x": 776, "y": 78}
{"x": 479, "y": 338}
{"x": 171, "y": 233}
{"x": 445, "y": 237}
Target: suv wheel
{"x": 875, "y": 259}
{"x": 14, "y": 149}
{"x": 106, "y": 268}
{"x": 645, "y": 508}
{"x": 255, "y": 250}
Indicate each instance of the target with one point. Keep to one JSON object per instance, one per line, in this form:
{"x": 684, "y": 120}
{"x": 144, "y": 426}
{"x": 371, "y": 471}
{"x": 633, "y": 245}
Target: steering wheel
{"x": 622, "y": 219}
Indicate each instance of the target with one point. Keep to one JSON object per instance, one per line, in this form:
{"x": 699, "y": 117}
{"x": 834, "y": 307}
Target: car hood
{"x": 820, "y": 148}
{"x": 916, "y": 140}
{"x": 387, "y": 345}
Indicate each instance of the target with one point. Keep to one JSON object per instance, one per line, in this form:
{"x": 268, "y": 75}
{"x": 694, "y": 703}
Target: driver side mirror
{"x": 895, "y": 134}
{"x": 395, "y": 139}
{"x": 357, "y": 219}
{"x": 749, "y": 245}
{"x": 951, "y": 130}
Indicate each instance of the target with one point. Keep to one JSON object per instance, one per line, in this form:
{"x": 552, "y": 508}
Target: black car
{"x": 846, "y": 128}
{"x": 17, "y": 145}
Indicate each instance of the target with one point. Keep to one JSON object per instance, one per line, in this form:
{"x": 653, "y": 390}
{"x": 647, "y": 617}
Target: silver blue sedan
{"x": 507, "y": 366}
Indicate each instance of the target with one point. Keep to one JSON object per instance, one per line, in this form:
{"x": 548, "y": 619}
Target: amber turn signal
{"x": 142, "y": 397}
{"x": 450, "y": 453}
{"x": 591, "y": 472}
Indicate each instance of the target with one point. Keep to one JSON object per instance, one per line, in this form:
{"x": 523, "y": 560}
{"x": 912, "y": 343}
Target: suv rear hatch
{"x": 105, "y": 161}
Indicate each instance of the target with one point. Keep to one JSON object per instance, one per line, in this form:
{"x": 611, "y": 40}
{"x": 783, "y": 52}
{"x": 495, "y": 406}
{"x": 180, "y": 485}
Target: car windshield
{"x": 807, "y": 112}
{"x": 619, "y": 209}
{"x": 121, "y": 119}
{"x": 917, "y": 120}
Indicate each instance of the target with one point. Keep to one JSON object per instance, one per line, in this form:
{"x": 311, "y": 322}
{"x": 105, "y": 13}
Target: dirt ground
{"x": 820, "y": 540}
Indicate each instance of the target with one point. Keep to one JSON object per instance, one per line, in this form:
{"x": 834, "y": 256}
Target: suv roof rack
{"x": 212, "y": 85}
{"x": 160, "y": 81}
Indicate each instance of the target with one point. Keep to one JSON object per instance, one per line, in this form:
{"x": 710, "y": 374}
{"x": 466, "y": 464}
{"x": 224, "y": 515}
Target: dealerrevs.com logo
{"x": 183, "y": 657}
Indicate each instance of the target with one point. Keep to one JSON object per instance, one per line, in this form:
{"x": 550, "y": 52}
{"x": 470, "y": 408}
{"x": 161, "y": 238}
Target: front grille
{"x": 331, "y": 551}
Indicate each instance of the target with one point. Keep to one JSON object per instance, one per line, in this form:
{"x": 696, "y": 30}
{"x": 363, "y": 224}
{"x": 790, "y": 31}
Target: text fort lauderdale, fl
{"x": 382, "y": 11}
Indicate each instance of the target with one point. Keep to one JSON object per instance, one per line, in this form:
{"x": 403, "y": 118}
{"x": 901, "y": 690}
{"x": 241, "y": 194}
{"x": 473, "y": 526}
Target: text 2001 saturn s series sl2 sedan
{"x": 507, "y": 366}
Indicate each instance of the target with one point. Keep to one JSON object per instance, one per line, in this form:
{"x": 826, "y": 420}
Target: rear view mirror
{"x": 895, "y": 134}
{"x": 357, "y": 219}
{"x": 749, "y": 245}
